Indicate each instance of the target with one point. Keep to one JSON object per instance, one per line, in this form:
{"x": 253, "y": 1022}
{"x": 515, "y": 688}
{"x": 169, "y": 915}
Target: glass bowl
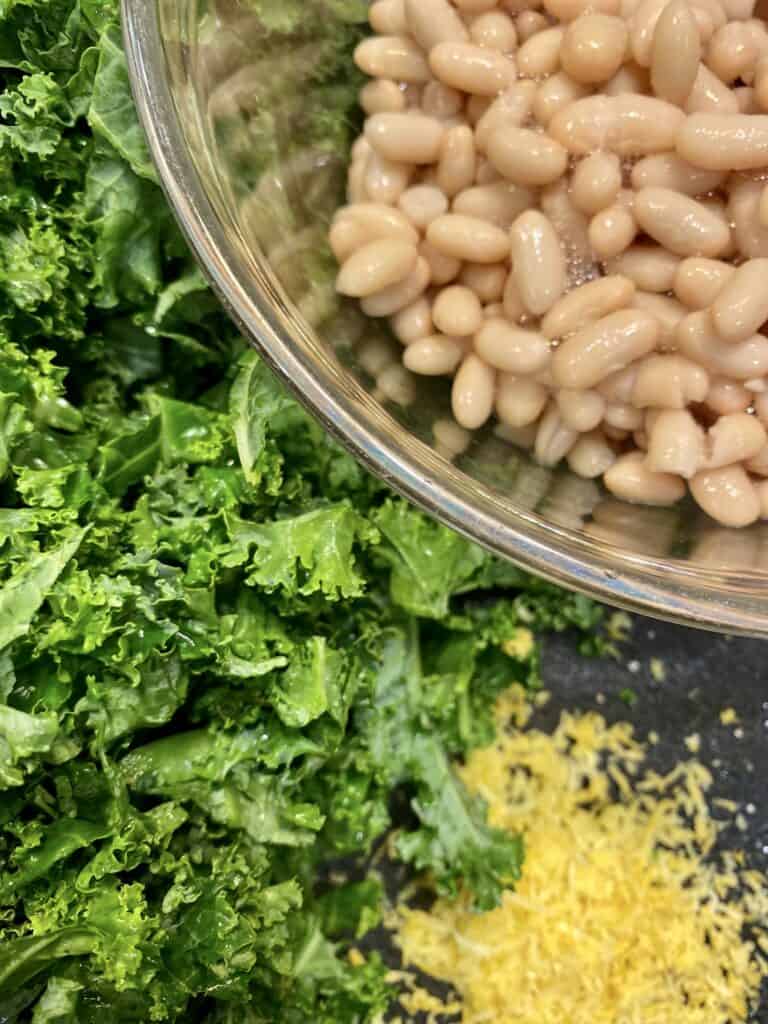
{"x": 223, "y": 105}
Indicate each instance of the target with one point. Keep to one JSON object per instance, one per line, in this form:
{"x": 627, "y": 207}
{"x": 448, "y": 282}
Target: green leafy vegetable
{"x": 222, "y": 644}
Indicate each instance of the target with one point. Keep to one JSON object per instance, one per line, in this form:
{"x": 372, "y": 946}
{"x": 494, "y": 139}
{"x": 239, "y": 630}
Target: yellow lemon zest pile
{"x": 623, "y": 915}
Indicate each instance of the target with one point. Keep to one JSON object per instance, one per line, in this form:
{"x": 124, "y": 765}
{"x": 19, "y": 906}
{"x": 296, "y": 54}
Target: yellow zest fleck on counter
{"x": 621, "y": 916}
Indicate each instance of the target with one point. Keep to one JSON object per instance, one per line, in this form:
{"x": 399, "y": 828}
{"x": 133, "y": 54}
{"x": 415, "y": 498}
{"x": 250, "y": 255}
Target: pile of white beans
{"x": 561, "y": 204}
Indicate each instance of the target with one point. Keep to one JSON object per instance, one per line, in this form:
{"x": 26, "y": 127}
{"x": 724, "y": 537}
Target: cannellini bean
{"x": 468, "y": 238}
{"x": 519, "y": 401}
{"x": 387, "y": 17}
{"x": 736, "y": 437}
{"x": 395, "y": 57}
{"x": 630, "y": 78}
{"x": 699, "y": 281}
{"x": 555, "y": 93}
{"x": 477, "y": 107}
{"x": 526, "y": 157}
{"x": 538, "y": 262}
{"x": 475, "y": 6}
{"x": 758, "y": 463}
{"x": 761, "y": 83}
{"x": 762, "y": 210}
{"x": 568, "y": 10}
{"x": 434, "y": 21}
{"x": 376, "y": 266}
{"x": 422, "y": 204}
{"x": 744, "y": 210}
{"x": 721, "y": 142}
{"x": 528, "y": 23}
{"x": 540, "y": 55}
{"x": 471, "y": 68}
{"x": 629, "y": 124}
{"x": 741, "y": 306}
{"x": 681, "y": 224}
{"x": 473, "y": 393}
{"x": 457, "y": 311}
{"x": 510, "y": 348}
{"x": 391, "y": 300}
{"x": 591, "y": 456}
{"x": 375, "y": 356}
{"x": 571, "y": 226}
{"x": 434, "y": 356}
{"x": 675, "y": 444}
{"x": 409, "y": 138}
{"x": 649, "y": 267}
{"x": 710, "y": 95}
{"x": 554, "y": 439}
{"x": 509, "y": 110}
{"x": 361, "y": 223}
{"x": 395, "y": 384}
{"x": 356, "y": 191}
{"x": 494, "y": 30}
{"x": 727, "y": 396}
{"x": 580, "y": 410}
{"x": 413, "y": 321}
{"x": 587, "y": 304}
{"x": 696, "y": 339}
{"x": 385, "y": 181}
{"x": 442, "y": 102}
{"x": 642, "y": 25}
{"x": 443, "y": 268}
{"x": 382, "y": 96}
{"x": 520, "y": 437}
{"x": 726, "y": 494}
{"x": 450, "y": 437}
{"x": 668, "y": 382}
{"x": 675, "y": 52}
{"x": 611, "y": 231}
{"x": 596, "y": 182}
{"x": 617, "y": 387}
{"x": 602, "y": 348}
{"x": 731, "y": 51}
{"x": 486, "y": 173}
{"x": 630, "y": 479}
{"x": 667, "y": 170}
{"x": 593, "y": 47}
{"x": 512, "y": 302}
{"x": 486, "y": 280}
{"x": 457, "y": 162}
{"x": 499, "y": 203}
{"x": 668, "y": 312}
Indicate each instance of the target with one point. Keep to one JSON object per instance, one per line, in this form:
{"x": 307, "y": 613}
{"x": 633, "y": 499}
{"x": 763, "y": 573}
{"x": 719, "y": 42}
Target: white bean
{"x": 571, "y": 226}
{"x": 540, "y": 55}
{"x": 727, "y": 396}
{"x": 361, "y": 223}
{"x": 555, "y": 93}
{"x": 499, "y": 203}
{"x": 376, "y": 266}
{"x": 434, "y": 21}
{"x": 580, "y": 410}
{"x": 458, "y": 161}
{"x": 526, "y": 157}
{"x": 510, "y": 348}
{"x": 509, "y": 110}
{"x": 443, "y": 268}
{"x": 593, "y": 47}
{"x": 669, "y": 382}
{"x": 395, "y": 57}
{"x": 387, "y": 17}
{"x": 750, "y": 235}
{"x": 553, "y": 439}
{"x": 683, "y": 225}
{"x": 587, "y": 304}
{"x": 409, "y": 138}
{"x": 649, "y": 267}
{"x": 668, "y": 312}
{"x": 468, "y": 238}
{"x": 675, "y": 444}
{"x": 630, "y": 479}
{"x": 699, "y": 281}
{"x": 612, "y": 231}
{"x": 744, "y": 360}
{"x": 741, "y": 306}
{"x": 413, "y": 321}
{"x": 473, "y": 393}
{"x": 434, "y": 356}
{"x": 385, "y": 181}
{"x": 727, "y": 494}
{"x": 667, "y": 170}
{"x": 486, "y": 280}
{"x": 457, "y": 311}
{"x": 591, "y": 456}
{"x": 629, "y": 124}
{"x": 710, "y": 96}
{"x": 675, "y": 53}
{"x": 494, "y": 30}
{"x": 519, "y": 401}
{"x": 602, "y": 348}
{"x": 596, "y": 182}
{"x": 736, "y": 437}
{"x": 391, "y": 300}
{"x": 538, "y": 262}
{"x": 382, "y": 96}
{"x": 722, "y": 142}
{"x": 422, "y": 204}
{"x": 471, "y": 68}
